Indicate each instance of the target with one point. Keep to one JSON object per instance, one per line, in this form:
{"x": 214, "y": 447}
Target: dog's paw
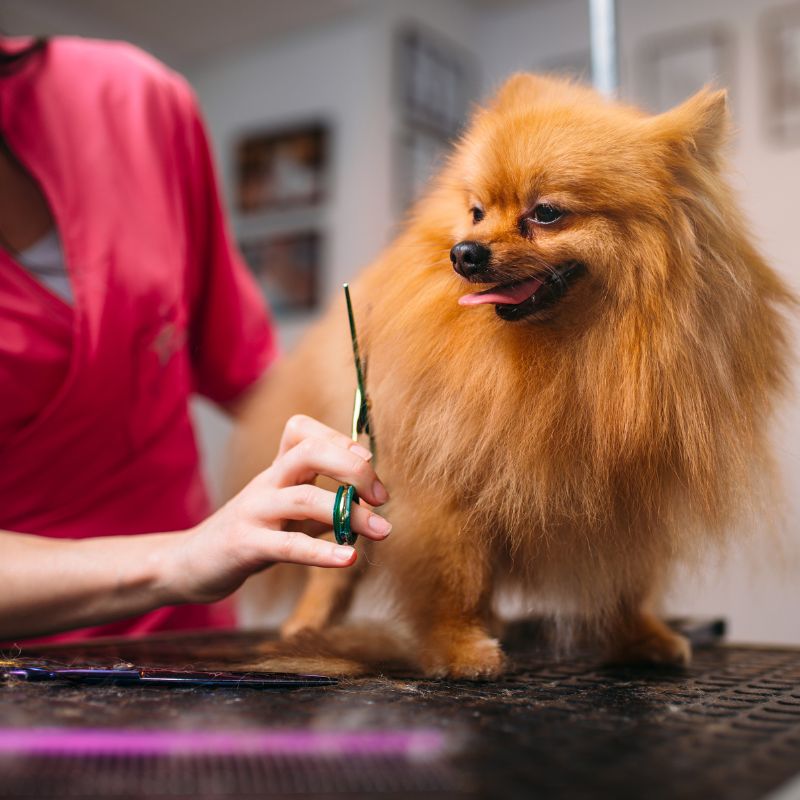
{"x": 665, "y": 648}
{"x": 469, "y": 658}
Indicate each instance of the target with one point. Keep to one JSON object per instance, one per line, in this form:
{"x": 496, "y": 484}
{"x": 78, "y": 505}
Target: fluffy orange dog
{"x": 572, "y": 350}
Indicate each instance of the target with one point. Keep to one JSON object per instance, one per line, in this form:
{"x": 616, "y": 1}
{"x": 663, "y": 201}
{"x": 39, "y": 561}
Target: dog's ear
{"x": 699, "y": 126}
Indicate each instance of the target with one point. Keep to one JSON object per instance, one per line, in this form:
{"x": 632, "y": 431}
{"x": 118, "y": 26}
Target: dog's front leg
{"x": 326, "y": 597}
{"x": 445, "y": 588}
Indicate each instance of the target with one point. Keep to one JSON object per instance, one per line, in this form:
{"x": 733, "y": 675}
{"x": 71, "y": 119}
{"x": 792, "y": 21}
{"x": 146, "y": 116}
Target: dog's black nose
{"x": 470, "y": 258}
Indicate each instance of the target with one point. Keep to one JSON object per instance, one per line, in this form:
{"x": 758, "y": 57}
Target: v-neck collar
{"x": 57, "y": 304}
{"x": 19, "y": 263}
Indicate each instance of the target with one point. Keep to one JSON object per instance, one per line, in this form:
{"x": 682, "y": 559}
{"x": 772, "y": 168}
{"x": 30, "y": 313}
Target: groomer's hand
{"x": 254, "y": 529}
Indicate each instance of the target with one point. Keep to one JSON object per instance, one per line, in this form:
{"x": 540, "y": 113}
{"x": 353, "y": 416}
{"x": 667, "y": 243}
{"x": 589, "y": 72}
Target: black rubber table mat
{"x": 727, "y": 727}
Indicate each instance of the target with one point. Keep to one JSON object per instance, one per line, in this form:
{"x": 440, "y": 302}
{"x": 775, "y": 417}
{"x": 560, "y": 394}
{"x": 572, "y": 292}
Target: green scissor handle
{"x": 347, "y": 495}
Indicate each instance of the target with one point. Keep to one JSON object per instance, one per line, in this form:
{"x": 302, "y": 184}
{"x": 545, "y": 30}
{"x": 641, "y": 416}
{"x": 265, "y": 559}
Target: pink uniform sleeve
{"x": 232, "y": 339}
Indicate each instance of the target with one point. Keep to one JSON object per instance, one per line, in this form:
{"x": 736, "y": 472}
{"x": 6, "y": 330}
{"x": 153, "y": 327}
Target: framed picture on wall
{"x": 434, "y": 85}
{"x": 282, "y": 168}
{"x": 433, "y": 81}
{"x": 287, "y": 268}
{"x": 675, "y": 66}
{"x": 780, "y": 38}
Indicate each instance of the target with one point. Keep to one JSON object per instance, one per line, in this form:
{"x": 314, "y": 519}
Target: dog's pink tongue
{"x": 502, "y": 295}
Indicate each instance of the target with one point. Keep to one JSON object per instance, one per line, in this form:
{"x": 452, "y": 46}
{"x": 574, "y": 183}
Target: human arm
{"x": 51, "y": 585}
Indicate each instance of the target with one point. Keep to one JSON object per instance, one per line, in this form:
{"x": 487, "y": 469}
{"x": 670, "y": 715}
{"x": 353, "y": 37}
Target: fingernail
{"x": 379, "y": 524}
{"x": 361, "y": 451}
{"x": 343, "y": 553}
{"x": 379, "y": 492}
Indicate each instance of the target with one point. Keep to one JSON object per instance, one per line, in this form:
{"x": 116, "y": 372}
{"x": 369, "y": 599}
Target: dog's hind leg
{"x": 640, "y": 637}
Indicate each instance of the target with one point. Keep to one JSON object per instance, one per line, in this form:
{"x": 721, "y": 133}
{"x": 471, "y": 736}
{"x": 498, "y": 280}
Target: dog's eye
{"x": 542, "y": 214}
{"x": 545, "y": 214}
{"x": 477, "y": 214}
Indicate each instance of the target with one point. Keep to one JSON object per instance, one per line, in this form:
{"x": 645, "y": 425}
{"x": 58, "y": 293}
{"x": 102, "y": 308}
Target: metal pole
{"x": 603, "y": 34}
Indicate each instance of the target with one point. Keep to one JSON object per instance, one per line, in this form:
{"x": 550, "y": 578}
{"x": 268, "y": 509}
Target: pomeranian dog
{"x": 572, "y": 351}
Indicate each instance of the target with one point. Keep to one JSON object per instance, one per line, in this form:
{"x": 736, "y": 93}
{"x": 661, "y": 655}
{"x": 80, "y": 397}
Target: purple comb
{"x": 417, "y": 744}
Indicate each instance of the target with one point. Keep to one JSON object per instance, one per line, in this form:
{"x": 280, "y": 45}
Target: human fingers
{"x": 307, "y": 502}
{"x": 293, "y": 547}
{"x": 301, "y": 426}
{"x": 312, "y": 457}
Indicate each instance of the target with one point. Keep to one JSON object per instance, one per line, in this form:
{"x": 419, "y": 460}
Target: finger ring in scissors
{"x": 345, "y": 497}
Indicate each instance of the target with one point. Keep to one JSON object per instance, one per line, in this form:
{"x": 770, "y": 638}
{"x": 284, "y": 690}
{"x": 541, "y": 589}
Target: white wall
{"x": 527, "y": 36}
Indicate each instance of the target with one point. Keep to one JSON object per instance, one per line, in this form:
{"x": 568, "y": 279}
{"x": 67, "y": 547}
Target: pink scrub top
{"x": 95, "y": 431}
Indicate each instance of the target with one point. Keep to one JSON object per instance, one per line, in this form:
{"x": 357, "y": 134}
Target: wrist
{"x": 164, "y": 565}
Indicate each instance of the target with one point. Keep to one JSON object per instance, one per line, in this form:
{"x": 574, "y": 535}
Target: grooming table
{"x": 729, "y": 726}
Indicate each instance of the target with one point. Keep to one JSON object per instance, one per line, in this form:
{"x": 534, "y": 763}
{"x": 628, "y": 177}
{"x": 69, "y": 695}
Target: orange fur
{"x": 582, "y": 453}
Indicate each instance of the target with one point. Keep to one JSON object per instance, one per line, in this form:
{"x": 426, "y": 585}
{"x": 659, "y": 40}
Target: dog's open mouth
{"x": 520, "y": 299}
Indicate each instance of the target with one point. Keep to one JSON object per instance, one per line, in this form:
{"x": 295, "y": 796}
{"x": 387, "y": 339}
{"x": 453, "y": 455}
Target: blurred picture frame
{"x": 676, "y": 65}
{"x": 433, "y": 80}
{"x": 780, "y": 46}
{"x": 281, "y": 168}
{"x": 434, "y": 86}
{"x": 287, "y": 268}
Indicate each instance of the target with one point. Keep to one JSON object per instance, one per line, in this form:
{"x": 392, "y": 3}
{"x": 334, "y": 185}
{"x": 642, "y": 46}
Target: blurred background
{"x": 328, "y": 116}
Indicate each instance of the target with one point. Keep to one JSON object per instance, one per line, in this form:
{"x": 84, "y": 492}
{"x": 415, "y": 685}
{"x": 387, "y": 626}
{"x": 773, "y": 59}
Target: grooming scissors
{"x": 347, "y": 495}
{"x": 137, "y": 676}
